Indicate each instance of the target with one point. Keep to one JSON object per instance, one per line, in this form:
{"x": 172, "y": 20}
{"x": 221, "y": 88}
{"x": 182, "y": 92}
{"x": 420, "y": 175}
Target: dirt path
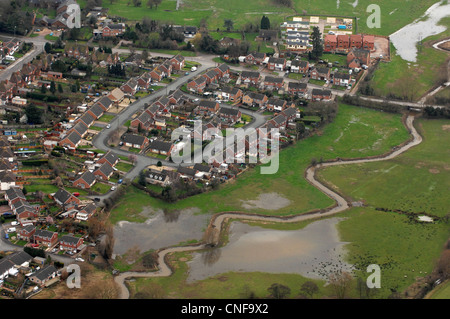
{"x": 218, "y": 220}
{"x": 436, "y": 90}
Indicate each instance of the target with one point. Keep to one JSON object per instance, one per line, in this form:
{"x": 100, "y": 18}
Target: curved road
{"x": 218, "y": 219}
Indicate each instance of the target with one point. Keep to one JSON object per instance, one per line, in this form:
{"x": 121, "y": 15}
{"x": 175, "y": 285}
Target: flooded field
{"x": 161, "y": 229}
{"x": 313, "y": 252}
{"x": 406, "y": 39}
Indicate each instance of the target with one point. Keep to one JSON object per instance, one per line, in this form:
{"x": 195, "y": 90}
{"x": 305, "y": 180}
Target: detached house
{"x": 231, "y": 94}
{"x": 64, "y": 198}
{"x": 297, "y": 88}
{"x": 85, "y": 180}
{"x": 160, "y": 147}
{"x": 177, "y": 62}
{"x": 45, "y": 238}
{"x": 358, "y": 57}
{"x": 255, "y": 58}
{"x": 26, "y": 233}
{"x": 130, "y": 87}
{"x": 70, "y": 243}
{"x": 207, "y": 106}
{"x": 229, "y": 115}
{"x": 342, "y": 79}
{"x": 44, "y": 275}
{"x": 109, "y": 158}
{"x": 211, "y": 76}
{"x": 276, "y": 105}
{"x": 135, "y": 141}
{"x": 113, "y": 30}
{"x": 299, "y": 66}
{"x": 222, "y": 70}
{"x": 104, "y": 172}
{"x": 71, "y": 140}
{"x": 276, "y": 64}
{"x": 144, "y": 122}
{"x": 319, "y": 94}
{"x": 197, "y": 85}
{"x": 250, "y": 77}
{"x": 254, "y": 99}
{"x": 320, "y": 73}
{"x": 273, "y": 82}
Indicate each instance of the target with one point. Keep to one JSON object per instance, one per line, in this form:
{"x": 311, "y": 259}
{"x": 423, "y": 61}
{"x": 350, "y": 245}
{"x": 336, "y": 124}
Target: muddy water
{"x": 313, "y": 252}
{"x": 159, "y": 230}
{"x": 406, "y": 39}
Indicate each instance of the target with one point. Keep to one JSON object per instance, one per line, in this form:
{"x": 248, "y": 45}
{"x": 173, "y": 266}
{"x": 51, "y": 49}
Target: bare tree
{"x": 151, "y": 291}
{"x": 309, "y": 288}
{"x": 340, "y": 283}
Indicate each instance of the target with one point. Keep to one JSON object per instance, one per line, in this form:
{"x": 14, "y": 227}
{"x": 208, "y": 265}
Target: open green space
{"x": 412, "y": 80}
{"x": 441, "y": 292}
{"x": 394, "y": 14}
{"x": 417, "y": 181}
{"x": 342, "y": 138}
{"x": 404, "y": 250}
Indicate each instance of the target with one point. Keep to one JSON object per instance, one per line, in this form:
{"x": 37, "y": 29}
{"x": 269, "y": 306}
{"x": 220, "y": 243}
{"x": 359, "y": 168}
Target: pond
{"x": 313, "y": 252}
{"x": 405, "y": 40}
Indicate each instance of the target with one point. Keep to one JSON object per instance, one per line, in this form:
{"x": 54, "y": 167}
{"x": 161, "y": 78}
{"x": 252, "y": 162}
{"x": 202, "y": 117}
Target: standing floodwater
{"x": 405, "y": 40}
{"x": 313, "y": 252}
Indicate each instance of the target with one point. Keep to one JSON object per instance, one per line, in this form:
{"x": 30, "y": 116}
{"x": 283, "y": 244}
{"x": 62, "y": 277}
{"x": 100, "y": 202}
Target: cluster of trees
{"x": 13, "y": 19}
{"x": 149, "y": 3}
{"x": 151, "y": 34}
{"x": 439, "y": 112}
{"x": 284, "y": 3}
{"x": 116, "y": 69}
{"x": 265, "y": 23}
{"x": 385, "y": 106}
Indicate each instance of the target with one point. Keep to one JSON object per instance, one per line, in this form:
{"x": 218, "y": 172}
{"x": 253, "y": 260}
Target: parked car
{"x": 108, "y": 126}
{"x": 79, "y": 259}
{"x": 113, "y": 188}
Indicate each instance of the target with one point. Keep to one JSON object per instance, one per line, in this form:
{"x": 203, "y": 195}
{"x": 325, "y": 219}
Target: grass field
{"x": 441, "y": 292}
{"x": 417, "y": 181}
{"x": 339, "y": 139}
{"x": 394, "y": 14}
{"x": 403, "y": 250}
{"x": 412, "y": 80}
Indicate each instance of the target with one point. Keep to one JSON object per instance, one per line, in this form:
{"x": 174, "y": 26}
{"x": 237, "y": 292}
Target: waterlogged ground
{"x": 313, "y": 252}
{"x": 405, "y": 40}
{"x": 161, "y": 229}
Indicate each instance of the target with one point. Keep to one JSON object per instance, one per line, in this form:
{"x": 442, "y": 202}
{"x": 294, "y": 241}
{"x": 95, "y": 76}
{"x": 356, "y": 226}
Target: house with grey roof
{"x": 104, "y": 172}
{"x": 44, "y": 276}
{"x": 85, "y": 180}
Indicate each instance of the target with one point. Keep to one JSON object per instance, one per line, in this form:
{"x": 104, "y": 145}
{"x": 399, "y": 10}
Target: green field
{"x": 441, "y": 292}
{"x": 403, "y": 249}
{"x": 412, "y": 80}
{"x": 342, "y": 138}
{"x": 417, "y": 181}
{"x": 394, "y": 14}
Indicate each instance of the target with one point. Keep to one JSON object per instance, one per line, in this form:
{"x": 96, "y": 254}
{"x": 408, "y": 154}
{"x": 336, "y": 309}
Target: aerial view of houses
{"x": 205, "y": 150}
